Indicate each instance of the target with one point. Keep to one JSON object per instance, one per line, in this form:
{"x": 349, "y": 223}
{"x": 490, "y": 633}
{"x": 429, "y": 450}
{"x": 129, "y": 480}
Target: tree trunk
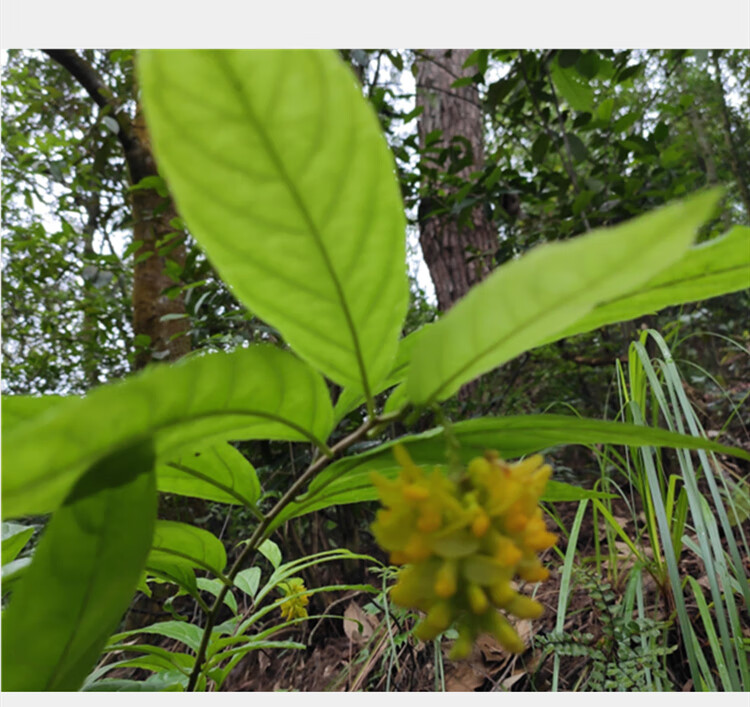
{"x": 457, "y": 256}
{"x": 152, "y": 227}
{"x": 734, "y": 163}
{"x": 152, "y": 214}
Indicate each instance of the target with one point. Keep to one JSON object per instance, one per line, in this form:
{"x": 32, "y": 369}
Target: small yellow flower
{"x": 297, "y": 600}
{"x": 462, "y": 541}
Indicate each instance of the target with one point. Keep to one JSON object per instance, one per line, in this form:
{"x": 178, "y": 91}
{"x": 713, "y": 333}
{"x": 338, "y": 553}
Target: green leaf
{"x": 573, "y": 88}
{"x": 214, "y": 586}
{"x": 270, "y": 550}
{"x": 248, "y": 581}
{"x": 82, "y": 576}
{"x": 396, "y": 400}
{"x": 709, "y": 269}
{"x": 348, "y": 480}
{"x": 15, "y": 537}
{"x": 18, "y": 409}
{"x": 173, "y": 681}
{"x": 351, "y": 398}
{"x": 539, "y": 148}
{"x": 172, "y": 659}
{"x": 256, "y": 393}
{"x": 215, "y": 472}
{"x": 588, "y": 64}
{"x": 577, "y": 148}
{"x": 179, "y": 572}
{"x": 568, "y": 57}
{"x": 604, "y": 110}
{"x": 279, "y": 167}
{"x": 526, "y": 301}
{"x": 186, "y": 545}
{"x": 189, "y": 634}
{"x": 13, "y": 571}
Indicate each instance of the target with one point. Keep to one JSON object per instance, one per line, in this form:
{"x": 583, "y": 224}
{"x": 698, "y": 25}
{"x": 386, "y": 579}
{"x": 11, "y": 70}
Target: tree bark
{"x": 734, "y": 163}
{"x": 457, "y": 256}
{"x": 152, "y": 214}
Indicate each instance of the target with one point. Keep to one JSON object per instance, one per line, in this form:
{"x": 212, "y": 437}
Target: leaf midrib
{"x": 265, "y": 138}
{"x": 152, "y": 431}
{"x": 515, "y": 332}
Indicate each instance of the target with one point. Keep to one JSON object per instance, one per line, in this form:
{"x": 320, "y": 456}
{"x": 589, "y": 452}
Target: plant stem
{"x": 259, "y": 535}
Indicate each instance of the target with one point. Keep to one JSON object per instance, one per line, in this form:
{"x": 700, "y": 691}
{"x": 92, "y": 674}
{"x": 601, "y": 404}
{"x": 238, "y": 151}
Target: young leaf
{"x": 348, "y": 480}
{"x": 217, "y": 472}
{"x": 526, "y": 301}
{"x": 248, "y": 581}
{"x": 214, "y": 586}
{"x": 255, "y": 393}
{"x": 710, "y": 269}
{"x": 82, "y": 576}
{"x": 186, "y": 545}
{"x": 279, "y": 167}
{"x": 270, "y": 550}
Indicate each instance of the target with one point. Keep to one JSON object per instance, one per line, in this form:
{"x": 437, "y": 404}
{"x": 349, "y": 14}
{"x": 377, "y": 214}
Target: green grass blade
{"x": 565, "y": 581}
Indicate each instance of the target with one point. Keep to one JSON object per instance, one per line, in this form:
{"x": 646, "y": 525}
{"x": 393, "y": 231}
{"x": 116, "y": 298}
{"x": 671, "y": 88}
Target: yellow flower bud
{"x": 477, "y": 599}
{"x": 524, "y": 608}
{"x": 540, "y": 541}
{"x": 507, "y": 553}
{"x": 533, "y": 571}
{"x": 417, "y": 548}
{"x": 437, "y": 620}
{"x": 416, "y": 492}
{"x": 463, "y": 644}
{"x": 502, "y": 593}
{"x": 445, "y": 581}
{"x": 505, "y": 633}
{"x": 481, "y": 524}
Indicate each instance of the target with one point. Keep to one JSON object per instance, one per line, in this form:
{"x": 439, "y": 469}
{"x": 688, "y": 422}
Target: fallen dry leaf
{"x": 463, "y": 677}
{"x": 358, "y": 626}
{"x": 512, "y": 679}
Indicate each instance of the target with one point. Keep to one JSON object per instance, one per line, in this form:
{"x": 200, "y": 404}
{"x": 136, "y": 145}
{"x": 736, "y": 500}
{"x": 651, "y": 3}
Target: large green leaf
{"x": 18, "y": 409}
{"x": 215, "y": 472}
{"x": 185, "y": 545}
{"x": 82, "y": 576}
{"x": 255, "y": 393}
{"x": 710, "y": 269}
{"x": 348, "y": 480}
{"x": 526, "y": 301}
{"x": 280, "y": 169}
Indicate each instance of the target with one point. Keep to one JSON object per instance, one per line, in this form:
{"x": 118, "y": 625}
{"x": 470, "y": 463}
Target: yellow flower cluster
{"x": 462, "y": 543}
{"x": 294, "y": 606}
